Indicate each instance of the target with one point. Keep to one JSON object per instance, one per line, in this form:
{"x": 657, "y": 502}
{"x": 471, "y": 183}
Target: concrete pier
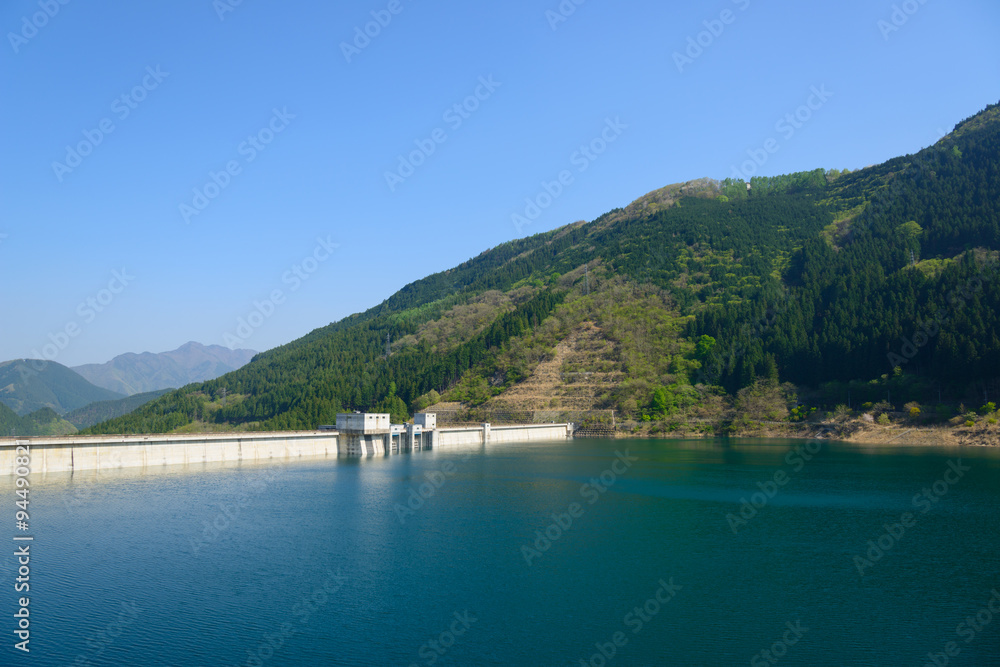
{"x": 364, "y": 434}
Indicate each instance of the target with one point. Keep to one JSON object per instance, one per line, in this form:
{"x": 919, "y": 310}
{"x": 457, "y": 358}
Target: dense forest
{"x": 914, "y": 284}
{"x": 877, "y": 283}
{"x": 99, "y": 411}
{"x": 40, "y": 422}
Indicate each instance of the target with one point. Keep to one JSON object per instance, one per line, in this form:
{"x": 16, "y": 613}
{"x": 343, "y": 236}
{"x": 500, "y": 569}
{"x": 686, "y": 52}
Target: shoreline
{"x": 854, "y": 432}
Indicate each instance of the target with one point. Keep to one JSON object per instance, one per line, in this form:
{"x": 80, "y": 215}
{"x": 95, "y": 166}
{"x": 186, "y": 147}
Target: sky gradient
{"x": 167, "y": 170}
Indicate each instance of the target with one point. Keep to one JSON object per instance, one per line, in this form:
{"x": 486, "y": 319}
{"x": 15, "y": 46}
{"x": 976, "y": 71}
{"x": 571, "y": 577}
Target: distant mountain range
{"x": 28, "y": 385}
{"x": 46, "y": 421}
{"x": 45, "y": 398}
{"x": 131, "y": 374}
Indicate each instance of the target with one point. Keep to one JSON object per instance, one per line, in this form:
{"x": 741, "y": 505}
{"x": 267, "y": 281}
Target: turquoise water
{"x": 434, "y": 558}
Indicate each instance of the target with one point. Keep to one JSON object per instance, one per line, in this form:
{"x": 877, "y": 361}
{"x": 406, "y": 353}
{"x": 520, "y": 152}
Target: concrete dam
{"x": 360, "y": 434}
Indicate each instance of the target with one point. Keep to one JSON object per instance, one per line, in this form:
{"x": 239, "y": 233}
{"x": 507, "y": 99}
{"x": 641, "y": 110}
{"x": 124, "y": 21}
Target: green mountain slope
{"x": 40, "y": 422}
{"x": 877, "y": 282}
{"x": 95, "y": 413}
{"x": 27, "y": 385}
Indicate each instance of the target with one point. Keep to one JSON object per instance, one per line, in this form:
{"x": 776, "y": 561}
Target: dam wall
{"x": 488, "y": 434}
{"x": 70, "y": 453}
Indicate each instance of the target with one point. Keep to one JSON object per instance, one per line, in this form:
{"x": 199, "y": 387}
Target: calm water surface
{"x": 442, "y": 558}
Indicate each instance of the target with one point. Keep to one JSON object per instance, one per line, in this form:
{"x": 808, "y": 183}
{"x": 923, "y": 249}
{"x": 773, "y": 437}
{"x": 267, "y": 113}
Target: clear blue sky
{"x": 66, "y": 229}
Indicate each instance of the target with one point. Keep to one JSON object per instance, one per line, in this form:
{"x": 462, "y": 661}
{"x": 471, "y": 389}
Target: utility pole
{"x": 223, "y": 391}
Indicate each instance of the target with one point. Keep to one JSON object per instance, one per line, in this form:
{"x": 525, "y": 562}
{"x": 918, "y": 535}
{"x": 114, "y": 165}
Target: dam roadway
{"x": 108, "y": 452}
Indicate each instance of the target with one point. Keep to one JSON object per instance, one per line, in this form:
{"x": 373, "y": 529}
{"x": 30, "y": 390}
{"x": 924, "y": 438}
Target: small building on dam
{"x": 371, "y": 434}
{"x": 355, "y": 434}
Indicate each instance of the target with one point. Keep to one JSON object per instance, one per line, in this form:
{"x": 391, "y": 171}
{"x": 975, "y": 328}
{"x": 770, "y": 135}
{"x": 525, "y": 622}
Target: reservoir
{"x": 592, "y": 552}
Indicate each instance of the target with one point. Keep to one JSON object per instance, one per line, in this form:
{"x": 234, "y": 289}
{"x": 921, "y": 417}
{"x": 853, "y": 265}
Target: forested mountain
{"x": 100, "y": 411}
{"x": 41, "y": 422}
{"x": 28, "y": 385}
{"x": 131, "y": 373}
{"x": 46, "y": 421}
{"x": 874, "y": 284}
